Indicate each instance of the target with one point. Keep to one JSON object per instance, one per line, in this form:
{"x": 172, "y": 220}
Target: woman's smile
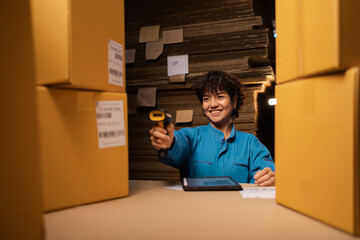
{"x": 215, "y": 112}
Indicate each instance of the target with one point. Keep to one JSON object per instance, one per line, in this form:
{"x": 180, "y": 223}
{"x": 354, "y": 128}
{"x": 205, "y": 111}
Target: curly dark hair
{"x": 215, "y": 81}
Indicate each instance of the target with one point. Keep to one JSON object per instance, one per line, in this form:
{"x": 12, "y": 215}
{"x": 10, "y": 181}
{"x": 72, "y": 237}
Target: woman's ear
{"x": 234, "y": 102}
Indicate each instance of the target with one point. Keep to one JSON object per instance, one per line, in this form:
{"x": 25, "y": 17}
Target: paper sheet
{"x": 258, "y": 192}
{"x": 184, "y": 116}
{"x": 146, "y": 97}
{"x": 176, "y": 187}
{"x": 149, "y": 34}
{"x": 173, "y": 36}
{"x": 178, "y": 65}
{"x": 177, "y": 78}
{"x": 130, "y": 55}
{"x": 153, "y": 50}
{"x": 132, "y": 106}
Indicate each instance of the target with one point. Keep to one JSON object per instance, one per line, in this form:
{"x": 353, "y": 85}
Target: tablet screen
{"x": 211, "y": 183}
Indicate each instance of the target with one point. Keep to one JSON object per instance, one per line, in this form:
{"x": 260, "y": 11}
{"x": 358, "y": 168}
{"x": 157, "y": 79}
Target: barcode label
{"x": 110, "y": 124}
{"x": 111, "y": 134}
{"x": 103, "y": 115}
{"x": 115, "y": 63}
{"x": 118, "y": 56}
{"x": 115, "y": 72}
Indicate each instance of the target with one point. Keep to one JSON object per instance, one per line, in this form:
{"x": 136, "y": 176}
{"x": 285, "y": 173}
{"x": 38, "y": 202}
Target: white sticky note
{"x": 173, "y": 36}
{"x": 146, "y": 97}
{"x": 184, "y": 116}
{"x": 115, "y": 63}
{"x": 153, "y": 50}
{"x": 178, "y": 65}
{"x": 130, "y": 55}
{"x": 110, "y": 123}
{"x": 149, "y": 33}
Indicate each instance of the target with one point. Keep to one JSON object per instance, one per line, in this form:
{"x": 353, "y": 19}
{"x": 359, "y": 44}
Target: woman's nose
{"x": 213, "y": 102}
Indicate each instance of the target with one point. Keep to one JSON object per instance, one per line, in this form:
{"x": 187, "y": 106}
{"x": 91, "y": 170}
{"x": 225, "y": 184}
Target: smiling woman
{"x": 216, "y": 149}
{"x": 221, "y": 95}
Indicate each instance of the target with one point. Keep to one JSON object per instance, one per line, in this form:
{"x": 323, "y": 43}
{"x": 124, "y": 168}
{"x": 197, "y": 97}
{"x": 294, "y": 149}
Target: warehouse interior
{"x": 79, "y": 79}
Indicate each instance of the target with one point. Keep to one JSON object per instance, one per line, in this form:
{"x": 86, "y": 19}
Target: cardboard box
{"x": 79, "y": 44}
{"x": 317, "y": 148}
{"x": 316, "y": 37}
{"x": 20, "y": 184}
{"x": 83, "y": 146}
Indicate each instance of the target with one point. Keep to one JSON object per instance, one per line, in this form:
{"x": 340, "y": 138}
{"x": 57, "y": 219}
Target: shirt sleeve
{"x": 260, "y": 158}
{"x": 180, "y": 149}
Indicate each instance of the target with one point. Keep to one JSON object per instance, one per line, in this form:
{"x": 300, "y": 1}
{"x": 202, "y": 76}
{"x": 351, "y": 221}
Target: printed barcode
{"x": 103, "y": 115}
{"x": 118, "y": 57}
{"x": 115, "y": 72}
{"x": 111, "y": 134}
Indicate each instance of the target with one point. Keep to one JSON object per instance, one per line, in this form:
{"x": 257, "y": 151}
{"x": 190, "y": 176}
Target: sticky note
{"x": 177, "y": 78}
{"x": 184, "y": 116}
{"x": 178, "y": 65}
{"x": 149, "y": 33}
{"x": 132, "y": 103}
{"x": 173, "y": 36}
{"x": 146, "y": 97}
{"x": 130, "y": 55}
{"x": 153, "y": 50}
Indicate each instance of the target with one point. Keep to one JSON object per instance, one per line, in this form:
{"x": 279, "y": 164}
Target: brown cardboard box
{"x": 80, "y": 44}
{"x": 83, "y": 146}
{"x": 317, "y": 148}
{"x": 316, "y": 37}
{"x": 20, "y": 184}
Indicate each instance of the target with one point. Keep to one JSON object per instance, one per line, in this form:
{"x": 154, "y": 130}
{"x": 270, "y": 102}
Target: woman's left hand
{"x": 265, "y": 177}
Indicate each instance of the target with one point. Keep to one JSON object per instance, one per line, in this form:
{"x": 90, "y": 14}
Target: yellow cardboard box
{"x": 316, "y": 37}
{"x": 317, "y": 148}
{"x": 83, "y": 146}
{"x": 20, "y": 184}
{"x": 79, "y": 44}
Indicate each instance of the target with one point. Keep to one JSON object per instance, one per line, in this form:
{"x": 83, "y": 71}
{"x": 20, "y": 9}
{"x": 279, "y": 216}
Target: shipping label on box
{"x": 110, "y": 123}
{"x": 115, "y": 65}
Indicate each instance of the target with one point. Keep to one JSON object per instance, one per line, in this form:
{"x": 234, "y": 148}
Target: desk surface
{"x": 154, "y": 212}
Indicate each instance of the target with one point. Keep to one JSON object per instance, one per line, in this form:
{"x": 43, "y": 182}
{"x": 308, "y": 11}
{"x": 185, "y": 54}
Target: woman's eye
{"x": 205, "y": 99}
{"x": 221, "y": 96}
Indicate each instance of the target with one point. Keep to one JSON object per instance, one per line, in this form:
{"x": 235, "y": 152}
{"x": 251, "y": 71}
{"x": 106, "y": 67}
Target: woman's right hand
{"x": 161, "y": 138}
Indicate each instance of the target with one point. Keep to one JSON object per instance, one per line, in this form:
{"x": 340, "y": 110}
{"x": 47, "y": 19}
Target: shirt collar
{"x": 219, "y": 134}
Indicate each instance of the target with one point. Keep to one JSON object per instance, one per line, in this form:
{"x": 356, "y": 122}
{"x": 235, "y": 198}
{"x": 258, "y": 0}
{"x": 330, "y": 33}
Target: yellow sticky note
{"x": 184, "y": 116}
{"x": 149, "y": 33}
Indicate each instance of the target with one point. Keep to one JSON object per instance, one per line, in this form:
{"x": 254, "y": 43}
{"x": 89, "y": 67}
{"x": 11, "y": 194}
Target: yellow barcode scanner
{"x": 162, "y": 118}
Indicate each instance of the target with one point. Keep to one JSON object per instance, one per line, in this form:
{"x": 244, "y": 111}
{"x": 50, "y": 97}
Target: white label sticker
{"x": 115, "y": 63}
{"x": 110, "y": 123}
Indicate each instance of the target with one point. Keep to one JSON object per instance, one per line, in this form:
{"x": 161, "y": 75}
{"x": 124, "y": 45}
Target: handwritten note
{"x": 178, "y": 65}
{"x": 153, "y": 50}
{"x": 146, "y": 97}
{"x": 149, "y": 33}
{"x": 173, "y": 36}
{"x": 184, "y": 116}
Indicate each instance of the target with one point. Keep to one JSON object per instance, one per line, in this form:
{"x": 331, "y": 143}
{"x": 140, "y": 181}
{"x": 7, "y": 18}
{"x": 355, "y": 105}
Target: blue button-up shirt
{"x": 203, "y": 152}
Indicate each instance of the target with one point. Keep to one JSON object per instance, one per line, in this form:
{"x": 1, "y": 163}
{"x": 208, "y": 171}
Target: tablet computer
{"x": 210, "y": 184}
